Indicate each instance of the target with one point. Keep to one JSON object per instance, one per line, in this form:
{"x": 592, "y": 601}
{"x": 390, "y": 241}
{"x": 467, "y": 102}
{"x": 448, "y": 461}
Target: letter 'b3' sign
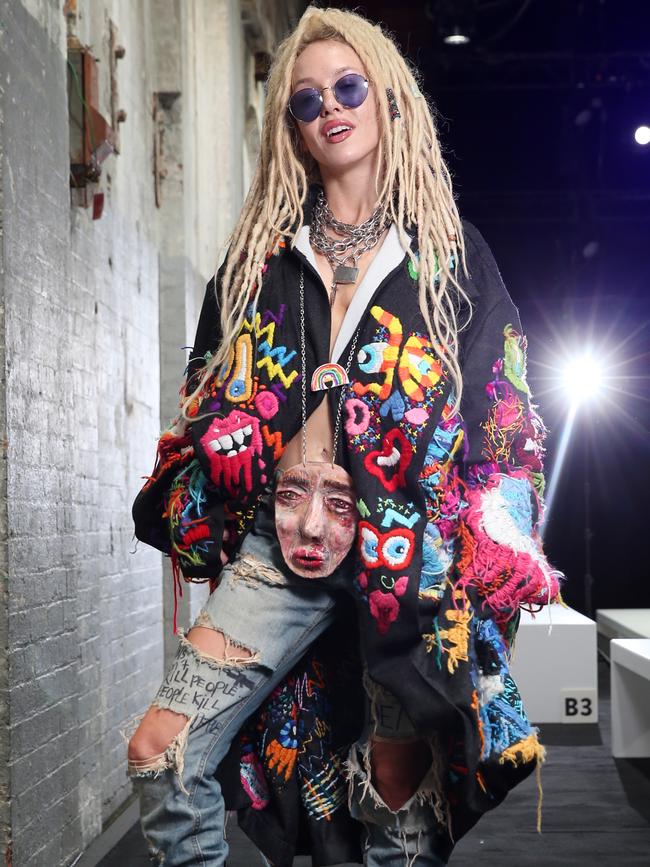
{"x": 579, "y": 706}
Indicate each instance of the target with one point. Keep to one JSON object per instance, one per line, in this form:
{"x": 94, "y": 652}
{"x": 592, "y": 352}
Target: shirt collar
{"x": 389, "y": 255}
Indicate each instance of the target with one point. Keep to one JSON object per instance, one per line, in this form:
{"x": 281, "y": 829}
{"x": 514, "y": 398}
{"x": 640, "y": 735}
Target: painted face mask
{"x": 315, "y": 518}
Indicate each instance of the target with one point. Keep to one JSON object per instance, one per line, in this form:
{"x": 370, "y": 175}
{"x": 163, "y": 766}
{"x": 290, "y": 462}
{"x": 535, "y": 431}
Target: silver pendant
{"x": 345, "y": 274}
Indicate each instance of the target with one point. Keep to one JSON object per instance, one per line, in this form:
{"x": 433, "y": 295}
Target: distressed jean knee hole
{"x": 212, "y": 644}
{"x": 171, "y": 758}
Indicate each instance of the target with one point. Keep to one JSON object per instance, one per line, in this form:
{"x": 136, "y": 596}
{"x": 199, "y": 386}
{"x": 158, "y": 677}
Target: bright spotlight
{"x": 642, "y": 135}
{"x": 582, "y": 378}
{"x": 456, "y": 37}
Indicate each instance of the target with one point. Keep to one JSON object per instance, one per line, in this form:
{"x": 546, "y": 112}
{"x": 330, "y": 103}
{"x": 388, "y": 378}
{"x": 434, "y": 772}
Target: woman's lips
{"x": 339, "y": 136}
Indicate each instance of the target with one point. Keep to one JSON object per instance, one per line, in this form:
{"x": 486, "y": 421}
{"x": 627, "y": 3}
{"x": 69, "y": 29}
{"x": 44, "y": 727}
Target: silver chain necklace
{"x": 354, "y": 240}
{"x": 342, "y": 383}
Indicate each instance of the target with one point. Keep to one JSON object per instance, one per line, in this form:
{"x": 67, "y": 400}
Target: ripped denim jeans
{"x": 416, "y": 834}
{"x": 269, "y": 617}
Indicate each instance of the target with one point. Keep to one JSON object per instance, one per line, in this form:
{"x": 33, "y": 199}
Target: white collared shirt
{"x": 388, "y": 256}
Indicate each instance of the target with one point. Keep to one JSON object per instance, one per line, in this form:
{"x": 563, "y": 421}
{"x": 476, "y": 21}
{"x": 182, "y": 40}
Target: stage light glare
{"x": 642, "y": 135}
{"x": 582, "y": 378}
{"x": 456, "y": 37}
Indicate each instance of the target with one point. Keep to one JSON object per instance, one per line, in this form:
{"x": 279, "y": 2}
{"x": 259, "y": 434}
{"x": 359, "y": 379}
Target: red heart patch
{"x": 389, "y": 464}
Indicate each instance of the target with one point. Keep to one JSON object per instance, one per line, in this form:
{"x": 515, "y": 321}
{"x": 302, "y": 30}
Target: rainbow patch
{"x": 327, "y": 376}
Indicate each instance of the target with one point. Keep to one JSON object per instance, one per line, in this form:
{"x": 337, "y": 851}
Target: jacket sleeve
{"x": 176, "y": 511}
{"x": 501, "y": 463}
{"x": 208, "y": 331}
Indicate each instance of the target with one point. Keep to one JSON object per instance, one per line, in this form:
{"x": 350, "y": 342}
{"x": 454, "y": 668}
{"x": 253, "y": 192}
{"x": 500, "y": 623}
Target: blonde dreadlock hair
{"x": 412, "y": 182}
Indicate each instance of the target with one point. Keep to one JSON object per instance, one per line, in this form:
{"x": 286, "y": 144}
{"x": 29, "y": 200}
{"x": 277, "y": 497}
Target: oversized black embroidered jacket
{"x": 449, "y": 505}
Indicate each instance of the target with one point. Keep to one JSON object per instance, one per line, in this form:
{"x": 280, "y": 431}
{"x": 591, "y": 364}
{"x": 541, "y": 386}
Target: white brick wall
{"x": 93, "y": 319}
{"x": 82, "y": 365}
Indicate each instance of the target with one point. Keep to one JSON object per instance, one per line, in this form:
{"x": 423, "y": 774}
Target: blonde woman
{"x": 355, "y": 424}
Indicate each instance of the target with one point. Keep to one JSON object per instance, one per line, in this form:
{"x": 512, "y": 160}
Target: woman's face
{"x": 315, "y": 518}
{"x": 321, "y": 64}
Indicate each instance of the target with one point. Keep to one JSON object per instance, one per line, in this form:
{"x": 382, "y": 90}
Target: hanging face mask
{"x": 315, "y": 517}
{"x": 315, "y": 505}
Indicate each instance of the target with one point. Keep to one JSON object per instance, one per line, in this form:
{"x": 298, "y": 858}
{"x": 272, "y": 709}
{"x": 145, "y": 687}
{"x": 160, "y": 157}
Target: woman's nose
{"x": 329, "y": 100}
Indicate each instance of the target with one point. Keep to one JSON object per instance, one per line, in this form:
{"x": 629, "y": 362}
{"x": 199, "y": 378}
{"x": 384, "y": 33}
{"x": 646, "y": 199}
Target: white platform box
{"x": 630, "y": 678}
{"x": 621, "y": 623}
{"x": 557, "y": 674}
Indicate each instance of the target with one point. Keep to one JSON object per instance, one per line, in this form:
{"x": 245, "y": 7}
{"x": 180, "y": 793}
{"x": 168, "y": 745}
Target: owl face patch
{"x": 392, "y": 550}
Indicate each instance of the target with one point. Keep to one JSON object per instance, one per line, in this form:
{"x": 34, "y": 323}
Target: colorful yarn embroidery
{"x": 454, "y": 639}
{"x": 291, "y": 740}
{"x": 442, "y": 486}
{"x": 240, "y": 381}
{"x": 392, "y": 550}
{"x": 358, "y": 417}
{"x": 414, "y": 273}
{"x": 256, "y": 366}
{"x": 389, "y": 464}
{"x": 500, "y": 555}
{"x": 384, "y": 605}
{"x": 231, "y": 445}
{"x": 380, "y": 356}
{"x": 514, "y": 433}
{"x": 417, "y": 368}
{"x": 189, "y": 532}
{"x": 252, "y": 778}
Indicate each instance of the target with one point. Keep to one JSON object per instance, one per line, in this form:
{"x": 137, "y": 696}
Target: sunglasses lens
{"x": 306, "y": 104}
{"x": 351, "y": 90}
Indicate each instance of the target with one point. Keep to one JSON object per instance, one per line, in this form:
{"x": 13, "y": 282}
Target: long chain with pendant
{"x": 354, "y": 240}
{"x": 303, "y": 360}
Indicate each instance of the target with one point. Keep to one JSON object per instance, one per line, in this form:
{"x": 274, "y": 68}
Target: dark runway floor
{"x": 596, "y": 810}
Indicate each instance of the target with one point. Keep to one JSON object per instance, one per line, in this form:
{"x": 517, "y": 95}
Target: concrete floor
{"x": 596, "y": 810}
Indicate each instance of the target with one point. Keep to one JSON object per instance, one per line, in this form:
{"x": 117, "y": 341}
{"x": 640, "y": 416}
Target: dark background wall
{"x": 537, "y": 117}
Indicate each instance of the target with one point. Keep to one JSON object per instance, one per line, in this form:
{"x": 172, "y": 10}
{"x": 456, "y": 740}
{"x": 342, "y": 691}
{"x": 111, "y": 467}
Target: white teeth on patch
{"x": 391, "y": 460}
{"x": 337, "y": 129}
{"x": 529, "y": 446}
{"x": 232, "y": 443}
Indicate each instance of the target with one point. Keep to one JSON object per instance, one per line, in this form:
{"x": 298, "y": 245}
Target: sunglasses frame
{"x": 319, "y": 91}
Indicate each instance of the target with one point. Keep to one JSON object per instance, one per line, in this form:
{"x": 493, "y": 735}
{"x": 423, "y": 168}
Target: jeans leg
{"x": 389, "y": 847}
{"x": 416, "y": 834}
{"x": 275, "y": 617}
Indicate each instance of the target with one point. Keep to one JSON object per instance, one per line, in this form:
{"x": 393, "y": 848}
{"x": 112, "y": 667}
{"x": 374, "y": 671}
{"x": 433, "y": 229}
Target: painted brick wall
{"x": 82, "y": 345}
{"x": 93, "y": 321}
{"x": 82, "y": 396}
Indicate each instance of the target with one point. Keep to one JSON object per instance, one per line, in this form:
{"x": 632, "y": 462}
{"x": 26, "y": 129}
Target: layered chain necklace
{"x": 325, "y": 377}
{"x": 353, "y": 240}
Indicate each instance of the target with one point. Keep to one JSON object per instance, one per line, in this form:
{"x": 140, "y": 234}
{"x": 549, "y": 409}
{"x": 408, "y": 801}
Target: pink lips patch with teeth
{"x": 231, "y": 443}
